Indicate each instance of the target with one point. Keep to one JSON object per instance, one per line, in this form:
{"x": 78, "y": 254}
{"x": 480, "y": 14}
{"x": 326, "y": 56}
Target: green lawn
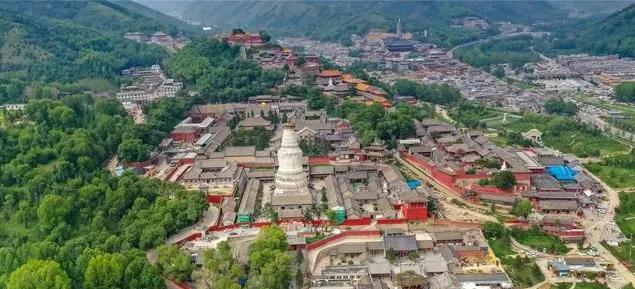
{"x": 616, "y": 177}
{"x": 470, "y": 114}
{"x": 523, "y": 271}
{"x": 538, "y": 240}
{"x": 501, "y": 247}
{"x": 524, "y": 85}
{"x": 567, "y": 135}
{"x": 318, "y": 236}
{"x": 590, "y": 285}
{"x": 563, "y": 285}
{"x": 625, "y": 212}
{"x": 623, "y": 253}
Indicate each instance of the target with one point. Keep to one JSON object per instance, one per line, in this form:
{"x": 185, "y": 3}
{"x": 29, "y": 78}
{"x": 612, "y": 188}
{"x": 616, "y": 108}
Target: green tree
{"x": 271, "y": 239}
{"x": 299, "y": 257}
{"x": 494, "y": 230}
{"x": 39, "y": 274}
{"x": 174, "y": 263}
{"x": 332, "y": 216}
{"x": 223, "y": 271}
{"x": 433, "y": 93}
{"x": 522, "y": 208}
{"x": 299, "y": 279}
{"x": 276, "y": 273}
{"x": 270, "y": 265}
{"x": 499, "y": 72}
{"x": 141, "y": 274}
{"x": 557, "y": 106}
{"x": 504, "y": 180}
{"x": 265, "y": 35}
{"x": 134, "y": 150}
{"x": 391, "y": 255}
{"x": 625, "y": 92}
{"x": 414, "y": 256}
{"x": 53, "y": 210}
{"x": 105, "y": 271}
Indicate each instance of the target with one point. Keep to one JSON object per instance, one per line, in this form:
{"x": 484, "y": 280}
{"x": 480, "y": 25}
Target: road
{"x": 594, "y": 237}
{"x": 444, "y": 113}
{"x": 475, "y": 212}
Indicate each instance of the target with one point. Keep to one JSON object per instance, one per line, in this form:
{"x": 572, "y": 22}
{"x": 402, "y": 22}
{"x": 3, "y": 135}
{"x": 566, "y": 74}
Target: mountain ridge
{"x": 612, "y": 35}
{"x": 337, "y": 20}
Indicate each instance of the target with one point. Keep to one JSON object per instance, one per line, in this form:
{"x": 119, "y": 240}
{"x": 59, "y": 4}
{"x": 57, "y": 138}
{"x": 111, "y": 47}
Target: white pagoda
{"x": 291, "y": 193}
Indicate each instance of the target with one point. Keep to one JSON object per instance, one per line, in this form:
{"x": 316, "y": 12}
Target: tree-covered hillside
{"x": 106, "y": 16}
{"x": 68, "y": 41}
{"x": 337, "y": 20}
{"x": 65, "y": 220}
{"x": 218, "y": 73}
{"x": 614, "y": 34}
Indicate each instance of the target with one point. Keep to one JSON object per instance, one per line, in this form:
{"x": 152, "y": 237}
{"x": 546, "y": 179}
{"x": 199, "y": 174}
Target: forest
{"x": 64, "y": 217}
{"x": 515, "y": 51}
{"x": 443, "y": 94}
{"x": 557, "y": 106}
{"x": 215, "y": 69}
{"x": 373, "y": 122}
{"x": 47, "y": 44}
{"x": 625, "y": 92}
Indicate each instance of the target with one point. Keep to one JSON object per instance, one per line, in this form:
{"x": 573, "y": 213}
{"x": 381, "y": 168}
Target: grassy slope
{"x": 523, "y": 272}
{"x": 625, "y": 211}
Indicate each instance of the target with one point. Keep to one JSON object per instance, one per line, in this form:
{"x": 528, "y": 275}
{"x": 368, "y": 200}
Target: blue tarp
{"x": 413, "y": 184}
{"x": 562, "y": 173}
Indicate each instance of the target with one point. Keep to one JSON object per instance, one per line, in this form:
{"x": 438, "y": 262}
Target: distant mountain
{"x": 67, "y": 41}
{"x": 614, "y": 34}
{"x": 173, "y": 8}
{"x": 337, "y": 20}
{"x": 585, "y": 8}
{"x": 107, "y": 16}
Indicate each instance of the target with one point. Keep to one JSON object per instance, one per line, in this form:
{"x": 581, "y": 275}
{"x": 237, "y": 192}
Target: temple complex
{"x": 291, "y": 192}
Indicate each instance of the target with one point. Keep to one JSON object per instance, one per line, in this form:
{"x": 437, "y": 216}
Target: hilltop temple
{"x": 291, "y": 192}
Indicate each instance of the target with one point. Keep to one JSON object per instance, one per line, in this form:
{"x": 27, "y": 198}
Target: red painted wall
{"x": 365, "y": 221}
{"x": 214, "y": 199}
{"x": 415, "y": 213}
{"x": 184, "y": 136}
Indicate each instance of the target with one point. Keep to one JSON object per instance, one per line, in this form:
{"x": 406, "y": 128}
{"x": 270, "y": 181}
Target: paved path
{"x": 209, "y": 218}
{"x": 470, "y": 209}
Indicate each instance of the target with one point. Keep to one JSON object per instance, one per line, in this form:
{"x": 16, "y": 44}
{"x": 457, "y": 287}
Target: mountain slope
{"x": 614, "y": 34}
{"x": 107, "y": 16}
{"x": 336, "y": 20}
{"x": 584, "y": 8}
{"x": 66, "y": 41}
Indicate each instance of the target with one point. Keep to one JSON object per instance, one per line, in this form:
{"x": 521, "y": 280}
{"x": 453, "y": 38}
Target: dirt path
{"x": 111, "y": 165}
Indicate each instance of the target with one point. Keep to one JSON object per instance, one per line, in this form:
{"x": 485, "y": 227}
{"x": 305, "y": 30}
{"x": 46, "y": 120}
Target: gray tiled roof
{"x": 401, "y": 243}
{"x": 484, "y": 277}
